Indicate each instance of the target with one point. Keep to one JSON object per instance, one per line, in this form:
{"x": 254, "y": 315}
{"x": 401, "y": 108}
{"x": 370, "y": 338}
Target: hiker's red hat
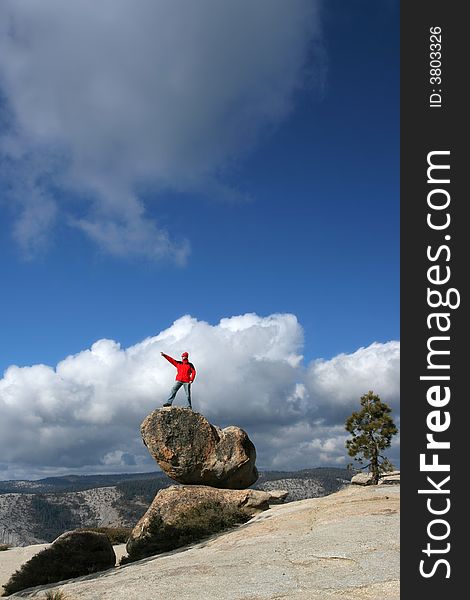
{"x": 184, "y": 354}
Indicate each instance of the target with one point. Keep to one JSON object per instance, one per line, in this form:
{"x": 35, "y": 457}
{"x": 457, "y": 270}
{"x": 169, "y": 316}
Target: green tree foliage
{"x": 372, "y": 429}
{"x": 116, "y": 535}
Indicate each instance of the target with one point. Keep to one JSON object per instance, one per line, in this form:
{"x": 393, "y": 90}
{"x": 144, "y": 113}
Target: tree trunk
{"x": 374, "y": 464}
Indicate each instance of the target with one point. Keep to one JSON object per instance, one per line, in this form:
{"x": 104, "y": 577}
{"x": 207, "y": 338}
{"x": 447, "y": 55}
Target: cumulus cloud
{"x": 85, "y": 413}
{"x": 107, "y": 98}
{"x": 333, "y": 382}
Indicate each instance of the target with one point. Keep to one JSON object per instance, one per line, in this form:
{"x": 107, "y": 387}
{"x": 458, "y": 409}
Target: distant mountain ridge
{"x": 72, "y": 483}
{"x": 76, "y": 483}
{"x": 34, "y": 512}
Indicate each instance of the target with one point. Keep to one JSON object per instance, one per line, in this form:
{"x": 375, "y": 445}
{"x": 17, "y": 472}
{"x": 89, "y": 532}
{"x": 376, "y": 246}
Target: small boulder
{"x": 192, "y": 451}
{"x": 73, "y": 554}
{"x": 277, "y": 496}
{"x": 180, "y": 515}
{"x": 362, "y": 479}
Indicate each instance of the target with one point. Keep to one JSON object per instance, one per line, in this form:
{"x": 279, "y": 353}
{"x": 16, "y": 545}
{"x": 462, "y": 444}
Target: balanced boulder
{"x": 180, "y": 515}
{"x": 192, "y": 451}
{"x": 72, "y": 554}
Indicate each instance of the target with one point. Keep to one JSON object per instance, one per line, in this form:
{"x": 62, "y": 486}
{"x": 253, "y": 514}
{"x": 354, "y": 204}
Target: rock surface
{"x": 192, "y": 451}
{"x": 392, "y": 478}
{"x": 72, "y": 554}
{"x": 342, "y": 546}
{"x": 182, "y": 514}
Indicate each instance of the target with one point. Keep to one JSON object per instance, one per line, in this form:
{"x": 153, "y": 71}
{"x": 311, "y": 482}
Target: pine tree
{"x": 372, "y": 429}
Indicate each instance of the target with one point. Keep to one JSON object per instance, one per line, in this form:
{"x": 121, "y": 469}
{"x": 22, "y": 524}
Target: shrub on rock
{"x": 72, "y": 554}
{"x": 116, "y": 535}
{"x": 180, "y": 515}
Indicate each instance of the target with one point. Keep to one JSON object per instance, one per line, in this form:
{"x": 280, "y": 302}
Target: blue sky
{"x": 292, "y": 208}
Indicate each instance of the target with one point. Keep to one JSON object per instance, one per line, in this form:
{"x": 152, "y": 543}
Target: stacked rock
{"x": 218, "y": 464}
{"x": 191, "y": 450}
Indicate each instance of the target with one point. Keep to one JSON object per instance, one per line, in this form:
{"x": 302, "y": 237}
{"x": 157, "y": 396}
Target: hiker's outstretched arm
{"x": 169, "y": 359}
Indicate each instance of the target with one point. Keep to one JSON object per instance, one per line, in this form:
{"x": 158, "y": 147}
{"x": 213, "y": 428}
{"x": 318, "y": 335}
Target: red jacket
{"x": 185, "y": 371}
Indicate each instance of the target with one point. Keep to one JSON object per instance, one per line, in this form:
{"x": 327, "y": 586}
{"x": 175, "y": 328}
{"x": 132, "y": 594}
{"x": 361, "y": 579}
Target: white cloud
{"x": 106, "y": 98}
{"x": 85, "y": 413}
{"x": 334, "y": 382}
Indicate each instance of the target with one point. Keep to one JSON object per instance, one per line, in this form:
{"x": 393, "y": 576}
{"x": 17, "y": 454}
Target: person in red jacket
{"x": 185, "y": 374}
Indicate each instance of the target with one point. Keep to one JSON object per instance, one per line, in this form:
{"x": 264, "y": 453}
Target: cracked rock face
{"x": 192, "y": 451}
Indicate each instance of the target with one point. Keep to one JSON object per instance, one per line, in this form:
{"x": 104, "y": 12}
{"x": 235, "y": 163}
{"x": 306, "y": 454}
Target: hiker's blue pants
{"x": 176, "y": 387}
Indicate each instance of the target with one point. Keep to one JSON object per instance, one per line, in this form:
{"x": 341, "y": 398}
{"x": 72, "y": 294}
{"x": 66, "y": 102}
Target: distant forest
{"x": 331, "y": 478}
{"x": 50, "y": 519}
